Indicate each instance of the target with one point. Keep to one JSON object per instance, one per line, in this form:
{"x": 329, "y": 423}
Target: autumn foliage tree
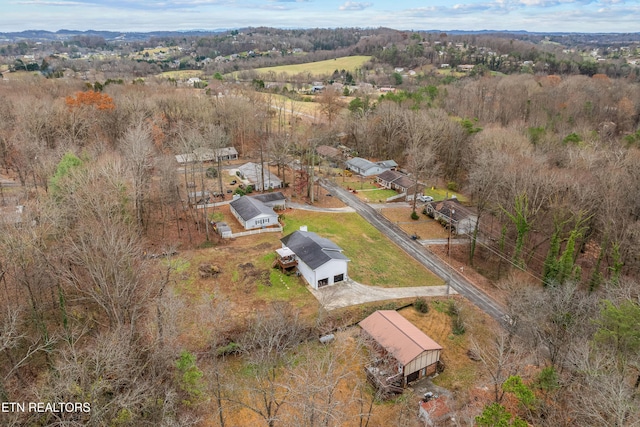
{"x": 100, "y": 101}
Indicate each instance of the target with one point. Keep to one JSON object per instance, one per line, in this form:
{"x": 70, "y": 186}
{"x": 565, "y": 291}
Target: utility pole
{"x": 451, "y": 213}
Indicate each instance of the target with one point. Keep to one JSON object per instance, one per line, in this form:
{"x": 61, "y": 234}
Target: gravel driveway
{"x": 349, "y": 293}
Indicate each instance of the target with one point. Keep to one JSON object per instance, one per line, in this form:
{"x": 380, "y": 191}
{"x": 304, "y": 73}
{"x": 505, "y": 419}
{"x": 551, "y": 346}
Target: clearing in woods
{"x": 348, "y": 63}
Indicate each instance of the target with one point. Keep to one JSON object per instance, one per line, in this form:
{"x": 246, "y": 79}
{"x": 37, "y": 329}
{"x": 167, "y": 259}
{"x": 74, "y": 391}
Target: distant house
{"x": 398, "y": 181}
{"x": 411, "y": 352}
{"x": 275, "y": 200}
{"x": 366, "y": 167}
{"x": 252, "y": 213}
{"x": 319, "y": 260}
{"x": 208, "y": 155}
{"x": 329, "y": 152}
{"x": 253, "y": 172}
{"x": 452, "y": 212}
{"x": 466, "y": 67}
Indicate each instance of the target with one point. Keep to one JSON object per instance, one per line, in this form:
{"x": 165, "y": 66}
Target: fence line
{"x": 250, "y": 232}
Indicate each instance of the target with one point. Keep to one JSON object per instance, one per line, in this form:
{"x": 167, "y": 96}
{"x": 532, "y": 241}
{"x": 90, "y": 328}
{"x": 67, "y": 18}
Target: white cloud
{"x": 354, "y": 5}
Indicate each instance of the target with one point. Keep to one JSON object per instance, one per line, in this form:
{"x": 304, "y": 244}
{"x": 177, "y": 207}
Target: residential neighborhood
{"x": 319, "y": 226}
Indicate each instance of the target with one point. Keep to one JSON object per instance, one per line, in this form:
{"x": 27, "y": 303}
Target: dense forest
{"x": 91, "y": 311}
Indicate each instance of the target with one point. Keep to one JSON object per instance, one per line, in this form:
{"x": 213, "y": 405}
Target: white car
{"x": 425, "y": 199}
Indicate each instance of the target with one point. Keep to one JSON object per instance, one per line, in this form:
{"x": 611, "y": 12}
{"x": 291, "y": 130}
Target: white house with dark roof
{"x": 208, "y": 155}
{"x": 366, "y": 167}
{"x": 253, "y": 172}
{"x": 252, "y": 213}
{"x": 319, "y": 260}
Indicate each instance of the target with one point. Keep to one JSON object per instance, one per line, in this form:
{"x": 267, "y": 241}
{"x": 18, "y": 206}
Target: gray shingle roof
{"x": 360, "y": 163}
{"x": 249, "y": 208}
{"x": 270, "y": 197}
{"x": 445, "y": 207}
{"x": 312, "y": 249}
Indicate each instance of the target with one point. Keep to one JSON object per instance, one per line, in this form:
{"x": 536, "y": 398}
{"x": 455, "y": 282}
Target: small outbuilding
{"x": 252, "y": 213}
{"x": 410, "y": 351}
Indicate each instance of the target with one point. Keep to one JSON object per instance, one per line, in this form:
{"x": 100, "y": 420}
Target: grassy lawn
{"x": 357, "y": 183}
{"x": 349, "y": 63}
{"x": 443, "y": 193}
{"x": 378, "y": 195}
{"x": 280, "y": 101}
{"x": 374, "y": 259}
{"x": 282, "y": 286}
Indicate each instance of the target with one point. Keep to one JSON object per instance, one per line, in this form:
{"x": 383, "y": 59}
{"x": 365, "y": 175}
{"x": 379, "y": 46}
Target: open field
{"x": 181, "y": 74}
{"x": 289, "y": 106}
{"x": 348, "y": 63}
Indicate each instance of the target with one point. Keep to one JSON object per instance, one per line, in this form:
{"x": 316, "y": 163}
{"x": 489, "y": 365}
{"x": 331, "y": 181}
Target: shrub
{"x": 414, "y": 216}
{"x": 572, "y": 138}
{"x": 212, "y": 172}
{"x": 452, "y": 186}
{"x": 190, "y": 377}
{"x": 421, "y": 305}
{"x": 231, "y": 348}
{"x": 458, "y": 322}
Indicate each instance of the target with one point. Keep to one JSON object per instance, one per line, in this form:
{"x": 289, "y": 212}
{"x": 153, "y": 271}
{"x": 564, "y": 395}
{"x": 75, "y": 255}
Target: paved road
{"x": 349, "y": 292}
{"x": 429, "y": 260}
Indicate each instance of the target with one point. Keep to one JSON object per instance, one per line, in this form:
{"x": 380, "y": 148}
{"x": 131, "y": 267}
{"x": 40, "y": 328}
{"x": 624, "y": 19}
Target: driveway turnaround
{"x": 349, "y": 292}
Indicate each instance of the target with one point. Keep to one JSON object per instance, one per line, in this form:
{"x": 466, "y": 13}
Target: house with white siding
{"x": 256, "y": 173}
{"x": 366, "y": 167}
{"x": 319, "y": 260}
{"x": 252, "y": 213}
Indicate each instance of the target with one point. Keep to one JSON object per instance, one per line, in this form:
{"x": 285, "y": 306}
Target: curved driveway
{"x": 430, "y": 261}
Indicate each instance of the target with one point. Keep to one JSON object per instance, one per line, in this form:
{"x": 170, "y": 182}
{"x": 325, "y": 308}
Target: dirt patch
{"x": 425, "y": 227}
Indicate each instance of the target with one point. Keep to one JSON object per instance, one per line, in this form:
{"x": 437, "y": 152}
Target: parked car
{"x": 234, "y": 182}
{"x": 425, "y": 199}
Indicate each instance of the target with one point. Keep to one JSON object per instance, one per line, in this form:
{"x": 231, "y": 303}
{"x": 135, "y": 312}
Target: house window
{"x": 338, "y": 278}
{"x": 323, "y": 282}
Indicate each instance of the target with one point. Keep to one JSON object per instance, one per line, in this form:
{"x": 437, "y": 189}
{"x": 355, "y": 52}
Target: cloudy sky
{"x": 148, "y": 15}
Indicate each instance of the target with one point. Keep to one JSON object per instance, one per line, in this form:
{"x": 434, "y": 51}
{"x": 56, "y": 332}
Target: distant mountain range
{"x": 42, "y": 35}
{"x": 61, "y": 35}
